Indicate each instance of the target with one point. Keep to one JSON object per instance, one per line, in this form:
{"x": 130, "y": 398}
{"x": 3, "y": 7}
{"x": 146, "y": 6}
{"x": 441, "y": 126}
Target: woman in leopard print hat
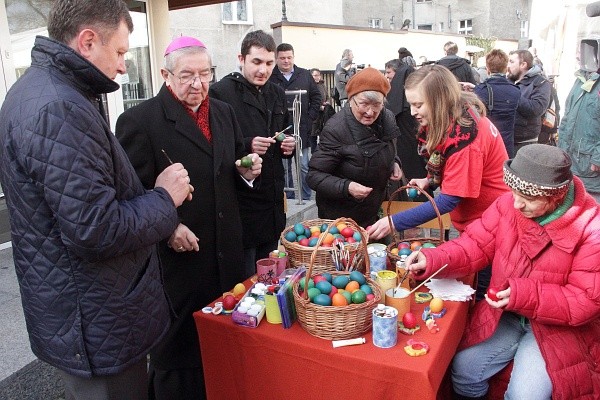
{"x": 542, "y": 310}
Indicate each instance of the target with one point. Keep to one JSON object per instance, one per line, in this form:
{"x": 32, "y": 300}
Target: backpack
{"x": 336, "y": 97}
{"x": 550, "y": 118}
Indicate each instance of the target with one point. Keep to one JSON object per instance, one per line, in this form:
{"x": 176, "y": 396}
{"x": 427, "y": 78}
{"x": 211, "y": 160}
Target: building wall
{"x": 372, "y": 47}
{"x": 224, "y": 40}
{"x": 500, "y": 19}
{"x": 490, "y": 19}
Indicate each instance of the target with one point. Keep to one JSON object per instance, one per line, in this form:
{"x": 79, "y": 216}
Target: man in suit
{"x": 261, "y": 111}
{"x": 202, "y": 258}
{"x": 291, "y": 77}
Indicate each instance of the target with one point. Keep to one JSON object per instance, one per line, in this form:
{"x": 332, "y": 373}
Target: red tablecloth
{"x": 270, "y": 362}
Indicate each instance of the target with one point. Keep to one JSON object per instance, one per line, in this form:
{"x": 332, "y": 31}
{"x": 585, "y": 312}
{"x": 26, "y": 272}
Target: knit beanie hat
{"x": 367, "y": 79}
{"x": 539, "y": 170}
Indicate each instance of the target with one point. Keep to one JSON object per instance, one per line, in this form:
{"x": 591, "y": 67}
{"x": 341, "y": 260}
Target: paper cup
{"x": 399, "y": 299}
{"x": 266, "y": 270}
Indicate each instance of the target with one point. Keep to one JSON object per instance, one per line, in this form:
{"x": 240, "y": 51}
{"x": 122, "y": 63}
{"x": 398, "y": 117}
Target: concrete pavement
{"x": 22, "y": 375}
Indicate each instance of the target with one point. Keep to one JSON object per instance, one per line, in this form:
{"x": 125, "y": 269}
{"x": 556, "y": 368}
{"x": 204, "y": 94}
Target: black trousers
{"x": 130, "y": 384}
{"x": 180, "y": 384}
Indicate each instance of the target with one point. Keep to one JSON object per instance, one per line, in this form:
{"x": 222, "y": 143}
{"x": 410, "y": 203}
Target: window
{"x": 524, "y": 29}
{"x": 425, "y": 27}
{"x": 424, "y": 1}
{"x": 237, "y": 12}
{"x": 440, "y": 27}
{"x": 375, "y": 23}
{"x": 465, "y": 27}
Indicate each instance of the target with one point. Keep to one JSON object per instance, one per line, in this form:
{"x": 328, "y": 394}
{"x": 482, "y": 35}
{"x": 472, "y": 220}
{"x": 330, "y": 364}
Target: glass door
{"x": 22, "y": 20}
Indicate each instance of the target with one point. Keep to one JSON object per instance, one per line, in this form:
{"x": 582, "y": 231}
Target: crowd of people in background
{"x": 145, "y": 218}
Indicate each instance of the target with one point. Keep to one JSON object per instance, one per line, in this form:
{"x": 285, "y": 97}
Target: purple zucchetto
{"x": 181, "y": 42}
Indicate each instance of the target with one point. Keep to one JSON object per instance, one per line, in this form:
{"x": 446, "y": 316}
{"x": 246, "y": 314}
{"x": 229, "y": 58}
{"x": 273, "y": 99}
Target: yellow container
{"x": 272, "y": 309}
{"x": 386, "y": 280}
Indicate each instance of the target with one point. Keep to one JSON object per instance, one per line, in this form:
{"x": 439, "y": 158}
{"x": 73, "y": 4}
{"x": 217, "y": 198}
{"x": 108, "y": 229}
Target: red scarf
{"x": 200, "y": 117}
{"x": 458, "y": 138}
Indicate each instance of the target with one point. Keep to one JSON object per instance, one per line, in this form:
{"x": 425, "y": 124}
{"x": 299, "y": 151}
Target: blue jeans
{"x": 474, "y": 366}
{"x": 289, "y": 182}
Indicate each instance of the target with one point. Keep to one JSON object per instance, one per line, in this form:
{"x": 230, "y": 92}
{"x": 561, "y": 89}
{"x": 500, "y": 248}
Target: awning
{"x": 179, "y": 4}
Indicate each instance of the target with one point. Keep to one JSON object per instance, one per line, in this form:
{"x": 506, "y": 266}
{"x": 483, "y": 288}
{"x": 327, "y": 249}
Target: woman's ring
{"x": 180, "y": 248}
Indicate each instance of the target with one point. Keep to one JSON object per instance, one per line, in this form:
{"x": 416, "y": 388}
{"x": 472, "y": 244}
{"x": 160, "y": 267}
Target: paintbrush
{"x": 428, "y": 279}
{"x": 166, "y": 155}
{"x": 280, "y": 132}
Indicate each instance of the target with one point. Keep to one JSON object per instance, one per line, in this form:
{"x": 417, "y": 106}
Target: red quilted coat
{"x": 554, "y": 275}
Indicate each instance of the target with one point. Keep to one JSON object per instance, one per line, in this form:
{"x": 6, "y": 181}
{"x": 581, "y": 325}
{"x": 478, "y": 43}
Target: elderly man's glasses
{"x": 185, "y": 78}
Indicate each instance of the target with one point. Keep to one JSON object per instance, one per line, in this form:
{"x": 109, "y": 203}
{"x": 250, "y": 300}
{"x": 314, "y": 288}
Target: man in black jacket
{"x": 261, "y": 111}
{"x": 457, "y": 65}
{"x": 84, "y": 229}
{"x": 293, "y": 78}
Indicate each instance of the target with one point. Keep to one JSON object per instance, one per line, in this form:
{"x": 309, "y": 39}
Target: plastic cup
{"x": 266, "y": 270}
{"x": 399, "y": 299}
{"x": 281, "y": 258}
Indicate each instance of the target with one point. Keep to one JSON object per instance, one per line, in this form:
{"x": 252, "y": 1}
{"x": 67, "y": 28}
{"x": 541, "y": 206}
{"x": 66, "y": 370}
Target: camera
{"x": 360, "y": 66}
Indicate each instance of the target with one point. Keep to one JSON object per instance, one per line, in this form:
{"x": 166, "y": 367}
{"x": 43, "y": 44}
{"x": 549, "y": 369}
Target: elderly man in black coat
{"x": 202, "y": 258}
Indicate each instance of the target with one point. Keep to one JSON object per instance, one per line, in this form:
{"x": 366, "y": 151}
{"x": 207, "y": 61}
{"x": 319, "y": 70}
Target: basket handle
{"x": 435, "y": 208}
{"x": 364, "y": 239}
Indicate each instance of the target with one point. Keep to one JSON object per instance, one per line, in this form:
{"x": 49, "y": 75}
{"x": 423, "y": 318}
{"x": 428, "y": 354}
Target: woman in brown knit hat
{"x": 357, "y": 153}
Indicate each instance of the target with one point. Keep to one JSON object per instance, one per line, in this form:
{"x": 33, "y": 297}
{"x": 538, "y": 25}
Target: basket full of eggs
{"x": 396, "y": 249}
{"x": 338, "y": 304}
{"x": 300, "y": 242}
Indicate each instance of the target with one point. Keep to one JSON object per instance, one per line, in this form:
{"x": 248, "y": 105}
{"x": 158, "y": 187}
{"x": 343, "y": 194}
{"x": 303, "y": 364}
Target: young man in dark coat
{"x": 261, "y": 111}
{"x": 501, "y": 98}
{"x": 289, "y": 76}
{"x": 201, "y": 259}
{"x": 536, "y": 92}
{"x": 457, "y": 65}
{"x": 84, "y": 229}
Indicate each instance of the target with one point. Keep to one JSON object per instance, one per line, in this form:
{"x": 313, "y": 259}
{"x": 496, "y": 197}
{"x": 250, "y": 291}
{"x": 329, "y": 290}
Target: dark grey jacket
{"x": 310, "y": 102}
{"x": 535, "y": 99}
{"x": 83, "y": 227}
{"x": 349, "y": 151}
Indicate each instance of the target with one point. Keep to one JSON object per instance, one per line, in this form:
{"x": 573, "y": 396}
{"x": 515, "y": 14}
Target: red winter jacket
{"x": 554, "y": 275}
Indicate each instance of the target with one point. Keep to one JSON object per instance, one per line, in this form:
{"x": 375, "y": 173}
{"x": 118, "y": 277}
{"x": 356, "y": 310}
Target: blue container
{"x": 385, "y": 326}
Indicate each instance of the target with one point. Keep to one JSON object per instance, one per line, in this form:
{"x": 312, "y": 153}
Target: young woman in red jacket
{"x": 464, "y": 153}
{"x": 543, "y": 243}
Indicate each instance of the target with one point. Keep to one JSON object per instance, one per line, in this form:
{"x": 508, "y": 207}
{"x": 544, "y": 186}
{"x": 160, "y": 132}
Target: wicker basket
{"x": 299, "y": 255}
{"x": 396, "y": 240}
{"x": 335, "y": 323}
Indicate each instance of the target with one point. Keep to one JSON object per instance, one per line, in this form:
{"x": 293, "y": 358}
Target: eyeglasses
{"x": 185, "y": 79}
{"x": 366, "y": 106}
